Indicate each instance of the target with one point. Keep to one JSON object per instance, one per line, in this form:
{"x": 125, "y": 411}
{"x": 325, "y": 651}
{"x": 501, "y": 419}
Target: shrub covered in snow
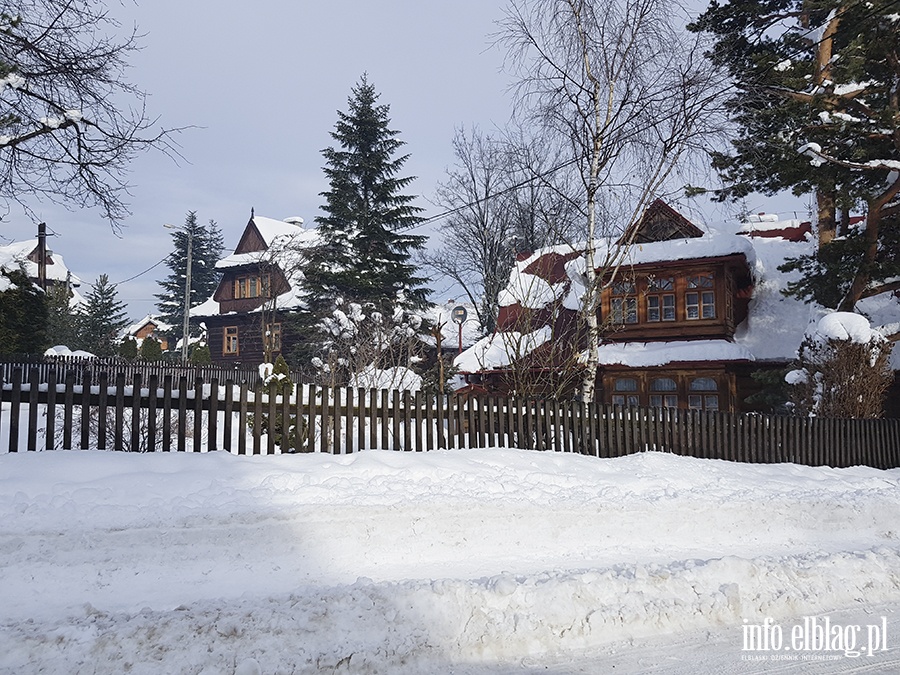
{"x": 276, "y": 378}
{"x": 843, "y": 369}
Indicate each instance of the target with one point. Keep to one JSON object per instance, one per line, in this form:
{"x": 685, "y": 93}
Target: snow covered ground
{"x": 473, "y": 562}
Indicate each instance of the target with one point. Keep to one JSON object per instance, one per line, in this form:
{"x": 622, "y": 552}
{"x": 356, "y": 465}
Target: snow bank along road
{"x": 470, "y": 561}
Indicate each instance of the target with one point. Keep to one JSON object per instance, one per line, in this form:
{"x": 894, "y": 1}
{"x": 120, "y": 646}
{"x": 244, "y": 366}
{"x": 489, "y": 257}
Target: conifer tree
{"x": 128, "y": 350}
{"x": 207, "y": 246}
{"x": 817, "y": 111}
{"x": 23, "y": 315}
{"x": 365, "y": 255}
{"x": 101, "y": 319}
{"x": 62, "y": 321}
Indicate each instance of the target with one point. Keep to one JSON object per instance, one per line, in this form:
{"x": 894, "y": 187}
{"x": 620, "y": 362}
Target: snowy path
{"x": 468, "y": 561}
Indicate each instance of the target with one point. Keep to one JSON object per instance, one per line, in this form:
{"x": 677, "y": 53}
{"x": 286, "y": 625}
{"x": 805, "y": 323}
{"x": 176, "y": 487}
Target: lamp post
{"x": 186, "y": 319}
{"x": 459, "y": 316}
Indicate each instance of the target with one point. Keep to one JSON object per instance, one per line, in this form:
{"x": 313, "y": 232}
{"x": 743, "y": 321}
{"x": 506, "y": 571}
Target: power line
{"x": 140, "y": 274}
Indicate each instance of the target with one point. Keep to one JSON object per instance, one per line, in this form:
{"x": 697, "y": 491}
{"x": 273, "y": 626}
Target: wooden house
{"x": 43, "y": 267}
{"x": 245, "y": 317}
{"x": 687, "y": 317}
{"x": 149, "y": 326}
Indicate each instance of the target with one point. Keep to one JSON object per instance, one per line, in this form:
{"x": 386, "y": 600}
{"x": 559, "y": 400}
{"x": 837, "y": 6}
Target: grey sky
{"x": 262, "y": 83}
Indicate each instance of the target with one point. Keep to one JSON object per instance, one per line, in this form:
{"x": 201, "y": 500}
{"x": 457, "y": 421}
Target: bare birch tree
{"x": 628, "y": 94}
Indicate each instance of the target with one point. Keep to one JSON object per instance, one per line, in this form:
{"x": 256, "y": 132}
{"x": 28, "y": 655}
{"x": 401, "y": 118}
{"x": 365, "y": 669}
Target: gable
{"x": 251, "y": 240}
{"x": 660, "y": 222}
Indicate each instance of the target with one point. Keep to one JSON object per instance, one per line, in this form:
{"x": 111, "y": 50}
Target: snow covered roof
{"x": 533, "y": 286}
{"x": 280, "y": 237}
{"x": 161, "y": 326}
{"x": 644, "y": 354}
{"x": 14, "y": 256}
{"x": 284, "y": 242}
{"x": 773, "y": 330}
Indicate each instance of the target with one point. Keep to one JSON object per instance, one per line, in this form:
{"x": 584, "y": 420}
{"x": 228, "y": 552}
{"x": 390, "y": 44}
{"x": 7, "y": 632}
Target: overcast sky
{"x": 261, "y": 87}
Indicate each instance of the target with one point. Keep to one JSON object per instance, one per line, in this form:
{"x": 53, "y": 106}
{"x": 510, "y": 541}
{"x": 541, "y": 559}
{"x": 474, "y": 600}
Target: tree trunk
{"x": 827, "y": 225}
{"x": 863, "y": 273}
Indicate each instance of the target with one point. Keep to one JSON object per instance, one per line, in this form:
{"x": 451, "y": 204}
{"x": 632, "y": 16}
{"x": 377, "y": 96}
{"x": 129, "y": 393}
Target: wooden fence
{"x": 153, "y": 414}
{"x": 114, "y": 366}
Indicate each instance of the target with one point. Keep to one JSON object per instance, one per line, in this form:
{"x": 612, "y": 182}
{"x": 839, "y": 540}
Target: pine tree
{"x": 23, "y": 315}
{"x": 101, "y": 319}
{"x": 206, "y": 249}
{"x": 817, "y": 111}
{"x": 365, "y": 255}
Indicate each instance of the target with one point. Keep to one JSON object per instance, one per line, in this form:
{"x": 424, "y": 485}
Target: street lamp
{"x": 459, "y": 316}
{"x": 186, "y": 320}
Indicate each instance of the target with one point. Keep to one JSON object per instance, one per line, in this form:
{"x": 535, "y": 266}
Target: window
{"x": 663, "y": 393}
{"x": 251, "y": 286}
{"x": 272, "y": 337}
{"x": 699, "y": 397}
{"x": 660, "y": 299}
{"x": 624, "y": 303}
{"x": 700, "y": 303}
{"x": 672, "y": 390}
{"x": 230, "y": 340}
{"x": 626, "y": 384}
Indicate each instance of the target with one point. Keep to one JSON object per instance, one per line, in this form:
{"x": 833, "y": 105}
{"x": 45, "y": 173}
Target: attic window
{"x": 251, "y": 286}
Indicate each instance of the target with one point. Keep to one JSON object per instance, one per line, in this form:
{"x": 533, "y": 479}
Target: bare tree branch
{"x": 70, "y": 123}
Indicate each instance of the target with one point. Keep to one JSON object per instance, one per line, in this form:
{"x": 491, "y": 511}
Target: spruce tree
{"x": 62, "y": 320}
{"x": 23, "y": 315}
{"x": 817, "y": 111}
{"x": 366, "y": 248}
{"x": 101, "y": 319}
{"x": 364, "y": 258}
{"x": 206, "y": 249}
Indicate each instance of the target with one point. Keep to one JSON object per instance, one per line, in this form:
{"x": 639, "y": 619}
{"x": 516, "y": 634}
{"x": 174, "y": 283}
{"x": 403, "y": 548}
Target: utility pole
{"x": 42, "y": 255}
{"x": 186, "y": 320}
{"x": 186, "y": 327}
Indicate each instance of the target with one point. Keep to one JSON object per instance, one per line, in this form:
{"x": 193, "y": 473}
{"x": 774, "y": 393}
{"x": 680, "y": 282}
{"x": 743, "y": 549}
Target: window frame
{"x": 272, "y": 333}
{"x": 684, "y": 389}
{"x": 251, "y": 286}
{"x": 231, "y": 337}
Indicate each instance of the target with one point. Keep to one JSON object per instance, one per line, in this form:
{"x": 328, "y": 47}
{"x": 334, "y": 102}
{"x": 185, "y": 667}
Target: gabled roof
{"x": 660, "y": 222}
{"x": 149, "y": 319}
{"x": 270, "y": 242}
{"x": 772, "y": 331}
{"x": 265, "y": 239}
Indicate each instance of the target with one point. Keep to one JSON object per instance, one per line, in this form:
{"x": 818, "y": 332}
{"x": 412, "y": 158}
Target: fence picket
{"x": 198, "y": 415}
{"x": 212, "y": 434}
{"x": 228, "y": 412}
{"x": 136, "y": 413}
{"x": 152, "y": 403}
{"x": 15, "y": 409}
{"x": 167, "y": 413}
{"x": 69, "y": 410}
